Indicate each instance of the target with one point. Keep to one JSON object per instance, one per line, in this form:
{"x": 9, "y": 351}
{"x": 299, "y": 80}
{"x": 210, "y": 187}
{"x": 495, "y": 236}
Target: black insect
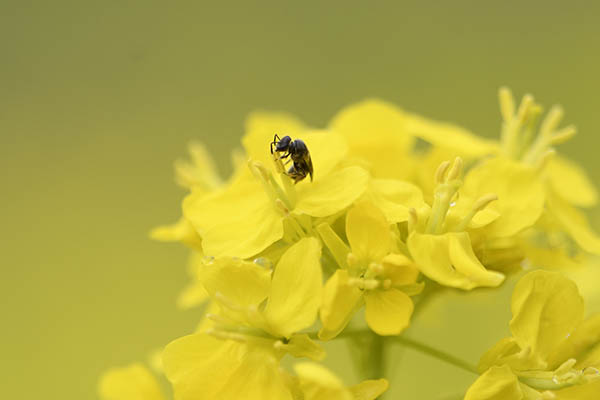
{"x": 298, "y": 154}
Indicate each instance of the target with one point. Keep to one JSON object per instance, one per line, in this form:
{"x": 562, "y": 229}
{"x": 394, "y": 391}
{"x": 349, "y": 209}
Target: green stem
{"x": 377, "y": 357}
{"x": 433, "y": 352}
{"x": 406, "y": 342}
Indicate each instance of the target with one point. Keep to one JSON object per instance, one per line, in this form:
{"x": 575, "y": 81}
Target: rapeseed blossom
{"x": 553, "y": 352}
{"x": 401, "y": 208}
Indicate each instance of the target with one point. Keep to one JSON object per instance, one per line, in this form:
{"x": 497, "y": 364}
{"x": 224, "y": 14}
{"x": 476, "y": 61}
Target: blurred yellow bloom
{"x": 374, "y": 271}
{"x": 318, "y": 383}
{"x": 377, "y": 138}
{"x": 552, "y": 353}
{"x": 134, "y": 382}
{"x": 240, "y": 354}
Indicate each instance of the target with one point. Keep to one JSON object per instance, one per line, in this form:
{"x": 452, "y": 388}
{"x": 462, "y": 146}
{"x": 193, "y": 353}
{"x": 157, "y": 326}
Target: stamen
{"x": 370, "y": 284}
{"x": 281, "y": 207}
{"x": 376, "y": 268}
{"x": 524, "y": 108}
{"x": 352, "y": 262}
{"x": 224, "y": 335}
{"x": 479, "y": 205}
{"x": 550, "y": 123}
{"x": 413, "y": 219}
{"x": 456, "y": 170}
{"x": 547, "y": 156}
{"x": 507, "y": 103}
{"x": 269, "y": 185}
{"x": 279, "y": 167}
{"x": 439, "y": 174}
{"x": 224, "y": 300}
{"x": 445, "y": 191}
{"x": 218, "y": 319}
{"x": 563, "y": 135}
{"x": 484, "y": 201}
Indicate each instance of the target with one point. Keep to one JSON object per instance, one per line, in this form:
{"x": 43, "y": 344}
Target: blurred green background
{"x": 98, "y": 98}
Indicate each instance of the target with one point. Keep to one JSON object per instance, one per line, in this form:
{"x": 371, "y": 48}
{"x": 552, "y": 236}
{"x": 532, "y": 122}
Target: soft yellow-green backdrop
{"x": 98, "y": 98}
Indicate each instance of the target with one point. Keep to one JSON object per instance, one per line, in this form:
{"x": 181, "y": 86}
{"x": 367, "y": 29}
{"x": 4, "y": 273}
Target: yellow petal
{"x": 318, "y": 383}
{"x": 464, "y": 206}
{"x": 395, "y": 198}
{"x": 202, "y": 367}
{"x": 388, "y": 312}
{"x": 449, "y": 260}
{"x": 332, "y": 193}
{"x": 461, "y": 141}
{"x": 375, "y": 131}
{"x": 505, "y": 351}
{"x": 370, "y": 389}
{"x": 546, "y": 307}
{"x": 199, "y": 366}
{"x": 497, "y": 383}
{"x": 399, "y": 269}
{"x": 368, "y": 232}
{"x": 574, "y": 223}
{"x": 134, "y": 382}
{"x": 579, "y": 344}
{"x": 570, "y": 182}
{"x": 295, "y": 294}
{"x": 257, "y": 378}
{"x": 587, "y": 391}
{"x": 181, "y": 231}
{"x": 327, "y": 149}
{"x": 238, "y": 220}
{"x": 301, "y": 345}
{"x": 520, "y": 194}
{"x": 192, "y": 295}
{"x": 240, "y": 282}
{"x": 339, "y": 302}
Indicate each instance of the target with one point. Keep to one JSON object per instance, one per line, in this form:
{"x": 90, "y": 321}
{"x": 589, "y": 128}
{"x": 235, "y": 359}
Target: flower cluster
{"x": 399, "y": 208}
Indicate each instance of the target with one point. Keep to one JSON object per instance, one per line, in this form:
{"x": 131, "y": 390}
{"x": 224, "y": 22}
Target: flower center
{"x": 448, "y": 182}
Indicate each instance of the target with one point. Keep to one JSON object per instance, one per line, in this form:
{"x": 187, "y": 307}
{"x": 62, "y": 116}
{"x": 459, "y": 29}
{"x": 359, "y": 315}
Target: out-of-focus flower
{"x": 552, "y": 353}
{"x": 134, "y": 382}
{"x": 373, "y": 270}
{"x": 315, "y": 382}
{"x": 377, "y": 138}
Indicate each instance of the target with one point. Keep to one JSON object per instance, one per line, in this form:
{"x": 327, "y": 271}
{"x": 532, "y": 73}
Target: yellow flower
{"x": 134, "y": 382}
{"x": 452, "y": 138}
{"x": 377, "y": 138}
{"x": 520, "y": 194}
{"x": 316, "y": 382}
{"x": 256, "y": 210}
{"x": 438, "y": 240}
{"x": 552, "y": 353}
{"x": 240, "y": 355}
{"x": 373, "y": 270}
